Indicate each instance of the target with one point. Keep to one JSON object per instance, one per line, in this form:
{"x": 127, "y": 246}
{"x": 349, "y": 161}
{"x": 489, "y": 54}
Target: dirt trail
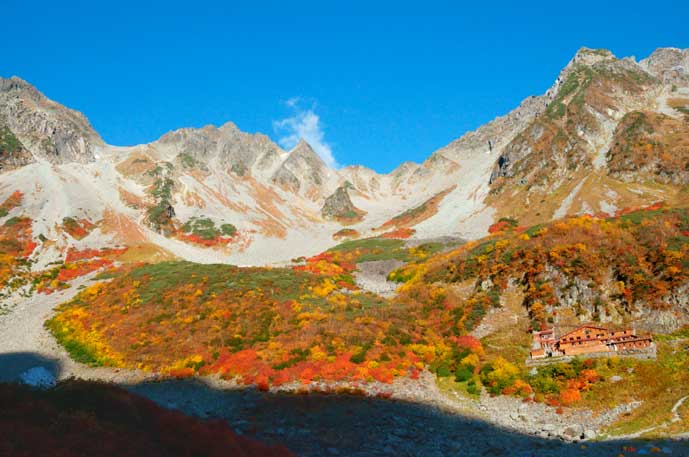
{"x": 675, "y": 418}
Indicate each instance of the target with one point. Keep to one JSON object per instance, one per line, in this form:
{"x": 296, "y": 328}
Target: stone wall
{"x": 643, "y": 354}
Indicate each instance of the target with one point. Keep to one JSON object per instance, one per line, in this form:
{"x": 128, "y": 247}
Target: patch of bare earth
{"x": 135, "y": 165}
{"x": 509, "y": 314}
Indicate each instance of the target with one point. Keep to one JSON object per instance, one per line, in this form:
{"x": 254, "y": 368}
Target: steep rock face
{"x": 559, "y": 164}
{"x": 400, "y": 175}
{"x": 201, "y": 144}
{"x": 591, "y": 94}
{"x": 670, "y": 65}
{"x": 492, "y": 137}
{"x": 650, "y": 146}
{"x": 245, "y": 153}
{"x": 303, "y": 171}
{"x": 227, "y": 147}
{"x": 339, "y": 206}
{"x": 45, "y": 128}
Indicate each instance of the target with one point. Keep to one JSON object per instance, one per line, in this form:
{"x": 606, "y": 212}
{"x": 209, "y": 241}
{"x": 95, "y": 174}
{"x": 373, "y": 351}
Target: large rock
{"x": 339, "y": 206}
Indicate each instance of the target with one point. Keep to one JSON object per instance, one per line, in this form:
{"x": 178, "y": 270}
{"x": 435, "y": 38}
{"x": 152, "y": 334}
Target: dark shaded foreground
{"x": 323, "y": 425}
{"x": 84, "y": 419}
{"x": 12, "y": 365}
{"x": 308, "y": 425}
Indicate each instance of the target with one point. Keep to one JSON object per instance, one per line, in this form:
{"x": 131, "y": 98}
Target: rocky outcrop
{"x": 47, "y": 129}
{"x": 339, "y": 206}
{"x": 363, "y": 179}
{"x": 227, "y": 148}
{"x": 671, "y": 65}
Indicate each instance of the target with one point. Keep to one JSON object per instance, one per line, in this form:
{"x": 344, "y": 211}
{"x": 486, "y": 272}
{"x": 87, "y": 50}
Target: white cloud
{"x": 305, "y": 124}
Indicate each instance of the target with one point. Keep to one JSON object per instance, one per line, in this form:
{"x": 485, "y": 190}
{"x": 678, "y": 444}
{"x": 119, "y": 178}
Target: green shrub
{"x": 464, "y": 373}
{"x": 77, "y": 350}
{"x": 9, "y": 144}
{"x": 473, "y": 387}
{"x": 187, "y": 160}
{"x": 228, "y": 229}
{"x": 443, "y": 371}
{"x": 360, "y": 356}
{"x": 12, "y": 221}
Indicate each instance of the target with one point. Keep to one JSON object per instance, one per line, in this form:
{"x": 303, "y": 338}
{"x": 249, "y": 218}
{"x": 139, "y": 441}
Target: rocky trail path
{"x": 676, "y": 417}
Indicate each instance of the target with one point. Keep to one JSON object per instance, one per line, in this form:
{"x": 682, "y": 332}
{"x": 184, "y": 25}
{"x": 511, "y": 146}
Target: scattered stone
{"x": 548, "y": 427}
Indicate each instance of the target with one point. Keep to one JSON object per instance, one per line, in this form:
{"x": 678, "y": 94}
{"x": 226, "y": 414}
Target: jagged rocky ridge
{"x": 583, "y": 146}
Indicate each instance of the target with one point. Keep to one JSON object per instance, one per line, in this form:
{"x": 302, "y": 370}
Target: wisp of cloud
{"x": 305, "y": 124}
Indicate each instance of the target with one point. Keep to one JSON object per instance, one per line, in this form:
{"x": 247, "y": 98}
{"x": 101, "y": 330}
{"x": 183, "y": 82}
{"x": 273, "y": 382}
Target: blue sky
{"x": 372, "y": 83}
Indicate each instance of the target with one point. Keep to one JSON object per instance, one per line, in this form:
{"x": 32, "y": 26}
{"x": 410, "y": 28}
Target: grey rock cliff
{"x": 47, "y": 129}
{"x": 227, "y": 147}
{"x": 339, "y": 205}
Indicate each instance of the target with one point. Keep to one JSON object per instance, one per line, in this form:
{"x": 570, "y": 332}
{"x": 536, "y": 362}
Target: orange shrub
{"x": 569, "y": 396}
{"x": 400, "y": 233}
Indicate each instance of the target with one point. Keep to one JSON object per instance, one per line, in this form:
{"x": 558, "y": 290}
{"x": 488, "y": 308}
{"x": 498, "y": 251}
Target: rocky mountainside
{"x": 610, "y": 133}
{"x": 570, "y": 158}
{"x": 48, "y": 130}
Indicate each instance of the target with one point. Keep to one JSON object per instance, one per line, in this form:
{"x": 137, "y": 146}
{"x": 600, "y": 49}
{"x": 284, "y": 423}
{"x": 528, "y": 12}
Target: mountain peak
{"x": 229, "y": 126}
{"x": 304, "y": 150}
{"x": 589, "y": 56}
{"x": 670, "y": 64}
{"x": 47, "y": 129}
{"x": 303, "y": 144}
{"x": 16, "y": 83}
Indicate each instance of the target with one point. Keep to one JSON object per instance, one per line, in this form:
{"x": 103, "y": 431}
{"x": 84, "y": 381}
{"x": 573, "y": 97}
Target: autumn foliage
{"x": 642, "y": 254}
{"x": 345, "y": 233}
{"x": 270, "y": 327}
{"x": 263, "y": 327}
{"x": 77, "y": 228}
{"x": 16, "y": 243}
{"x": 419, "y": 213}
{"x": 400, "y": 233}
{"x": 13, "y": 201}
{"x": 502, "y": 225}
{"x": 77, "y": 263}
